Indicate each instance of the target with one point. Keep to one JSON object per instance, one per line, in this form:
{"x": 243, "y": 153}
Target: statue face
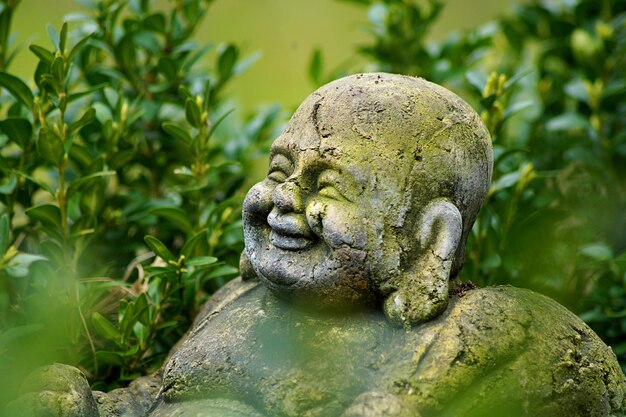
{"x": 315, "y": 227}
{"x": 347, "y": 211}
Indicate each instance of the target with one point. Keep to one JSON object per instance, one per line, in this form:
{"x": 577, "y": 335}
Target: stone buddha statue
{"x": 349, "y": 303}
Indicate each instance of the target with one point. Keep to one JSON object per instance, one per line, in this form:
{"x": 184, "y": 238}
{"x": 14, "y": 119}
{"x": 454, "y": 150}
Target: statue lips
{"x": 289, "y": 231}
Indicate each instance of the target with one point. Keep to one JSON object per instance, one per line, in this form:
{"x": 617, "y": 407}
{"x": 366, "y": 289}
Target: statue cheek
{"x": 338, "y": 224}
{"x": 315, "y": 212}
{"x": 258, "y": 202}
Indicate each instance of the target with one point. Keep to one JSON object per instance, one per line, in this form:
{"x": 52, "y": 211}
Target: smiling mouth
{"x": 288, "y": 242}
{"x": 289, "y": 231}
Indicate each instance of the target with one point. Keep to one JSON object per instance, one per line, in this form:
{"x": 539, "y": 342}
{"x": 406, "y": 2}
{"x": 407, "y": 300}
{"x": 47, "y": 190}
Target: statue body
{"x": 350, "y": 304}
{"x": 494, "y": 351}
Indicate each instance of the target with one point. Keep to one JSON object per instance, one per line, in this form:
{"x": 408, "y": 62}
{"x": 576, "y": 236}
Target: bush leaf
{"x": 17, "y": 88}
{"x": 158, "y": 248}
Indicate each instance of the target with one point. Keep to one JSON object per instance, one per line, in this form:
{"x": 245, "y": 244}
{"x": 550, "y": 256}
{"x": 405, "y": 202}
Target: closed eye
{"x": 280, "y": 168}
{"x": 330, "y": 192}
{"x": 329, "y": 185}
{"x": 277, "y": 175}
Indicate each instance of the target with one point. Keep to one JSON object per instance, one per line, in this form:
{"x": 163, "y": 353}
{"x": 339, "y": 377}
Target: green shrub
{"x": 120, "y": 193}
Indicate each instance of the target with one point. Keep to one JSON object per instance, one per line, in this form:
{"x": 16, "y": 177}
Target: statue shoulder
{"x": 224, "y": 296}
{"x": 556, "y": 362}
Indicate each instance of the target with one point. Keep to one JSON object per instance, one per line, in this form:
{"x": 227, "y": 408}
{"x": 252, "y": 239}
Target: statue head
{"x": 371, "y": 193}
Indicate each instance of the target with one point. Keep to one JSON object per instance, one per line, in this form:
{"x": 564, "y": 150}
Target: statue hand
{"x": 55, "y": 390}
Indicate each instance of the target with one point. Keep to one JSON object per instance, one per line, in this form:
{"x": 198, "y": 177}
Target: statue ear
{"x": 422, "y": 291}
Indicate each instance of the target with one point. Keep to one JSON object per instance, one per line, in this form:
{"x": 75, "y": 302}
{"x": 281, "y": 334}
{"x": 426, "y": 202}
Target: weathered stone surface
{"x": 494, "y": 349}
{"x": 56, "y": 390}
{"x": 134, "y": 400}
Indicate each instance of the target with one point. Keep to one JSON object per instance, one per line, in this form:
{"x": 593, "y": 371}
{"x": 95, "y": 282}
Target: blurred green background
{"x": 283, "y": 31}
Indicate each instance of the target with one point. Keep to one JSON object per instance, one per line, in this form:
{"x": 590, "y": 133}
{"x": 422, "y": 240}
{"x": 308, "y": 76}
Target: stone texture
{"x": 56, "y": 390}
{"x": 493, "y": 350}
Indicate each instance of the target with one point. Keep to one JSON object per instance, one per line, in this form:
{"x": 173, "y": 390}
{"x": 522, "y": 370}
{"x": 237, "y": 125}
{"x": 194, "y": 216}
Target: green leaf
{"x": 159, "y": 248}
{"x": 78, "y": 47}
{"x": 201, "y": 261}
{"x": 142, "y": 309}
{"x": 35, "y": 181}
{"x": 25, "y": 259}
{"x": 185, "y": 93}
{"x": 78, "y": 184}
{"x": 194, "y": 56}
{"x": 505, "y": 181}
{"x": 42, "y": 53}
{"x": 516, "y": 78}
{"x": 4, "y": 233}
{"x": 477, "y": 80}
{"x": 176, "y": 215}
{"x": 17, "y": 129}
{"x": 17, "y": 332}
{"x": 141, "y": 331}
{"x": 126, "y": 318}
{"x": 597, "y": 251}
{"x": 223, "y": 271}
{"x": 63, "y": 38}
{"x": 192, "y": 113}
{"x": 219, "y": 121}
{"x": 16, "y": 271}
{"x": 50, "y": 146}
{"x": 517, "y": 107}
{"x": 7, "y": 185}
{"x": 54, "y": 36}
{"x": 177, "y": 132}
{"x": 578, "y": 90}
{"x": 491, "y": 261}
{"x": 155, "y": 271}
{"x": 42, "y": 70}
{"x": 567, "y": 121}
{"x": 48, "y": 83}
{"x": 487, "y": 102}
{"x": 168, "y": 324}
{"x": 191, "y": 244}
{"x": 91, "y": 200}
{"x": 247, "y": 62}
{"x": 89, "y": 115}
{"x": 168, "y": 68}
{"x": 155, "y": 22}
{"x": 17, "y": 88}
{"x": 226, "y": 62}
{"x": 119, "y": 159}
{"x": 58, "y": 70}
{"x": 315, "y": 67}
{"x": 47, "y": 214}
{"x": 111, "y": 358}
{"x": 88, "y": 92}
{"x": 104, "y": 327}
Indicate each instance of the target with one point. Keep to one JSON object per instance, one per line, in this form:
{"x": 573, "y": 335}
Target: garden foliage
{"x": 122, "y": 169}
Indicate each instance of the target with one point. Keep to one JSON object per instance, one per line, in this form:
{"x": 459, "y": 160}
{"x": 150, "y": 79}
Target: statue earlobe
{"x": 245, "y": 267}
{"x": 422, "y": 291}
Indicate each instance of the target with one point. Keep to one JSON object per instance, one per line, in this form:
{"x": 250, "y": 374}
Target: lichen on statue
{"x": 349, "y": 304}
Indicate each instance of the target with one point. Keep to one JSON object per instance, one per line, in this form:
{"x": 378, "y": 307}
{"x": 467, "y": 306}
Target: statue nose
{"x": 287, "y": 197}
